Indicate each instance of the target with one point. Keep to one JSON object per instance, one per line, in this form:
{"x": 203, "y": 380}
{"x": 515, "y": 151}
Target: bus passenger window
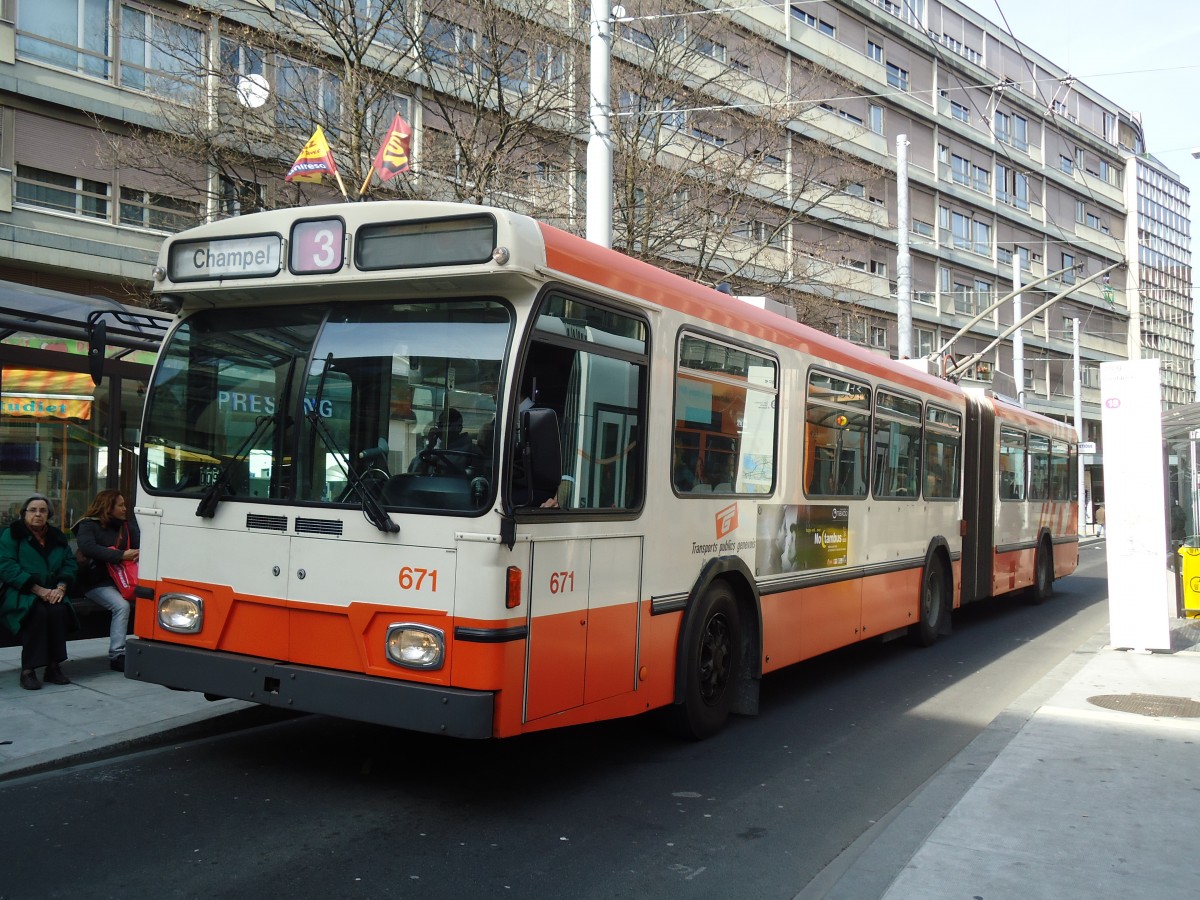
{"x": 897, "y": 445}
{"x": 724, "y": 419}
{"x": 1012, "y": 464}
{"x": 943, "y": 442}
{"x": 837, "y": 437}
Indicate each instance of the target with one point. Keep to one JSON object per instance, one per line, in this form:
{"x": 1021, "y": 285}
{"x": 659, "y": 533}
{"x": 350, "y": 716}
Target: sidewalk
{"x": 1087, "y": 786}
{"x": 99, "y": 710}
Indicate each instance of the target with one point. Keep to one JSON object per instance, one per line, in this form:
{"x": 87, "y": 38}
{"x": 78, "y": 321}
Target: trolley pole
{"x": 599, "y": 148}
{"x": 904, "y": 325}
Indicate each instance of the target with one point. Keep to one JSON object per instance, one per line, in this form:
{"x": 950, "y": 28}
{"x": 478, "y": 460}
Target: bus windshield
{"x": 319, "y": 404}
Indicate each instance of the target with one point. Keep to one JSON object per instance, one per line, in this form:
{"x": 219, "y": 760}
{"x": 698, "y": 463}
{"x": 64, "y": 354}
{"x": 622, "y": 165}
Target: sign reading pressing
{"x": 249, "y": 256}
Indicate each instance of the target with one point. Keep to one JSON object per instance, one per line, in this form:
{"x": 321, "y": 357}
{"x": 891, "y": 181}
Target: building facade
{"x": 1159, "y": 232}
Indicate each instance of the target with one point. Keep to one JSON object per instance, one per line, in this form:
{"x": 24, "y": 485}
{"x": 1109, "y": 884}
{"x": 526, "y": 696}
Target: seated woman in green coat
{"x": 36, "y": 567}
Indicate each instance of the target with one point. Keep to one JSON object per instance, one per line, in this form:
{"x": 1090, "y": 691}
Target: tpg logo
{"x": 727, "y": 520}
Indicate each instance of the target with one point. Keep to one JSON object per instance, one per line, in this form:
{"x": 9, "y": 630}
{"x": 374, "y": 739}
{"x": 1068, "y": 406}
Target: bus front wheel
{"x": 713, "y": 655}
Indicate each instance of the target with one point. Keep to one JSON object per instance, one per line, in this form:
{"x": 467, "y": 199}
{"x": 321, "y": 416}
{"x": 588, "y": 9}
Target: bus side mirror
{"x": 539, "y": 427}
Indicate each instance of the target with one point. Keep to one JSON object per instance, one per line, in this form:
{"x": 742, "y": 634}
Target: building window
{"x": 145, "y": 209}
{"x": 960, "y": 112}
{"x": 1066, "y": 164}
{"x": 879, "y": 336}
{"x": 812, "y": 21}
{"x": 964, "y": 300}
{"x": 70, "y": 34}
{"x": 879, "y": 267}
{"x": 875, "y": 51}
{"x": 983, "y": 294}
{"x": 875, "y": 118}
{"x": 960, "y": 170}
{"x": 63, "y": 193}
{"x": 304, "y": 93}
{"x": 925, "y": 229}
{"x": 960, "y": 229}
{"x": 1068, "y": 263}
{"x": 924, "y": 342}
{"x": 239, "y": 197}
{"x": 160, "y": 55}
{"x": 983, "y": 238}
{"x": 897, "y": 77}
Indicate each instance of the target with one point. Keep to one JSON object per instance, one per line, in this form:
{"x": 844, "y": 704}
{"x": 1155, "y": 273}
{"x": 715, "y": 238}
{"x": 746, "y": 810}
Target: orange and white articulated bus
{"x": 445, "y": 468}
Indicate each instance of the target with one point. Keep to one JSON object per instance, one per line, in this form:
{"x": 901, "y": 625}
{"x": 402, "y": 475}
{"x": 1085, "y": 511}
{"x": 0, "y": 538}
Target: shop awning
{"x": 48, "y": 394}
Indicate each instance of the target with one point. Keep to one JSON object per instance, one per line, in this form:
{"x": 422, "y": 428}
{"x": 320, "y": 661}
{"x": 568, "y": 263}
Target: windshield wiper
{"x": 375, "y": 513}
{"x": 212, "y": 497}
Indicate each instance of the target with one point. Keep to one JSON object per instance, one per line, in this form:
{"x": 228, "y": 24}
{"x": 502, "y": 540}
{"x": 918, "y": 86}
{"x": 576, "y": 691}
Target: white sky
{"x": 1142, "y": 56}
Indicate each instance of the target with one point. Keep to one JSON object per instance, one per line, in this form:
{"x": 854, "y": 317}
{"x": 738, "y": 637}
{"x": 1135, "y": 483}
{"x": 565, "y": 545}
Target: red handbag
{"x": 124, "y": 574}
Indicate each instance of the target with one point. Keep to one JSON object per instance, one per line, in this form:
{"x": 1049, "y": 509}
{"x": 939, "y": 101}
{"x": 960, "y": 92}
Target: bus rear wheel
{"x": 713, "y": 657}
{"x": 933, "y": 605}
{"x": 1043, "y": 575}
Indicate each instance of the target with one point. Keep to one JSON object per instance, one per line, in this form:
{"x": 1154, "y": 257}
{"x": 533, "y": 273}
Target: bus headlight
{"x": 415, "y": 646}
{"x": 181, "y": 613}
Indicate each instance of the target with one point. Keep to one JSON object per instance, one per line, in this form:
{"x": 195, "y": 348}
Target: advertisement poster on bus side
{"x": 801, "y": 538}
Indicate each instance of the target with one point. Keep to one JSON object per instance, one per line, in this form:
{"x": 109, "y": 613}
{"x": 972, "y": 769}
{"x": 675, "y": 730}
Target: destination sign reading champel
{"x": 240, "y": 257}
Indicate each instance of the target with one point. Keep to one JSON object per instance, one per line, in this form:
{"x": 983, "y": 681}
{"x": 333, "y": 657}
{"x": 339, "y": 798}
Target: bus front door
{"x": 583, "y": 622}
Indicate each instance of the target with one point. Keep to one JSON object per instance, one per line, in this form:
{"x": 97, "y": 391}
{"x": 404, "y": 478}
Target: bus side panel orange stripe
{"x": 611, "y": 651}
{"x": 656, "y": 657}
{"x": 890, "y": 601}
{"x": 1066, "y": 558}
{"x": 556, "y": 657}
{"x": 804, "y": 623}
{"x": 1012, "y": 570}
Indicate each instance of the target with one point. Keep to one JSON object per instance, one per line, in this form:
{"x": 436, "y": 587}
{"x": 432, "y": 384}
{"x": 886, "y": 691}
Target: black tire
{"x": 933, "y": 605}
{"x": 1043, "y": 575}
{"x": 713, "y": 657}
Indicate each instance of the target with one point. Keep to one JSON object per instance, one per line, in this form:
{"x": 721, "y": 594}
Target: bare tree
{"x": 721, "y": 157}
{"x": 725, "y": 168}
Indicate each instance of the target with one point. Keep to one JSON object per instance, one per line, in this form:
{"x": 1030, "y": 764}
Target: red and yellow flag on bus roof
{"x": 314, "y": 161}
{"x": 394, "y": 153}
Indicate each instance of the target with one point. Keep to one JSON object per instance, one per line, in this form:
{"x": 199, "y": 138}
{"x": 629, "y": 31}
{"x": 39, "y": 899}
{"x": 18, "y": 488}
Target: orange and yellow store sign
{"x": 45, "y": 394}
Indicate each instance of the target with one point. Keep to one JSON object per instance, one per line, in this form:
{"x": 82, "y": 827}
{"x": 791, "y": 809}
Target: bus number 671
{"x": 562, "y": 582}
{"x": 413, "y": 579}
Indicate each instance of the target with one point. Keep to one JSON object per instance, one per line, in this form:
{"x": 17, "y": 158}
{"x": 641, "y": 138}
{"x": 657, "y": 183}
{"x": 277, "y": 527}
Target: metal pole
{"x": 904, "y": 326}
{"x": 1018, "y": 335}
{"x": 600, "y": 148}
{"x": 1077, "y": 392}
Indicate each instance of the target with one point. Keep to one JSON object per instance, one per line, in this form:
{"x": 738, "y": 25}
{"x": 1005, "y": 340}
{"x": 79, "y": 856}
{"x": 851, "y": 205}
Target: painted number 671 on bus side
{"x": 415, "y": 579}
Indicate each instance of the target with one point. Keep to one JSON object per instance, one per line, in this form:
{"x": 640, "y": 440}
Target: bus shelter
{"x": 63, "y": 432}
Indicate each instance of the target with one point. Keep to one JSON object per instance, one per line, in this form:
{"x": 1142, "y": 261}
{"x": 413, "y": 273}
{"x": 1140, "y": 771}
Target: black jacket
{"x": 97, "y": 544}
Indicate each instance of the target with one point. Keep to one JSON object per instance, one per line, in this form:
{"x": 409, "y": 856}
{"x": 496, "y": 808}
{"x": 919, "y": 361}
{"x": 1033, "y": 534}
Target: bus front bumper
{"x": 349, "y": 695}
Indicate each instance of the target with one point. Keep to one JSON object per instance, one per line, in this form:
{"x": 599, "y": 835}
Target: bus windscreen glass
{"x": 320, "y": 403}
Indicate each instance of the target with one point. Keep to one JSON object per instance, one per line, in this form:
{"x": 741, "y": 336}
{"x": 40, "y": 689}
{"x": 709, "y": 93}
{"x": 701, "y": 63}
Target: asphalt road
{"x": 318, "y": 807}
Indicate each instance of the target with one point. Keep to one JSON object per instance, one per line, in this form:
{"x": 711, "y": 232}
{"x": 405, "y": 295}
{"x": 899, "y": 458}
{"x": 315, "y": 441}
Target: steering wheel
{"x": 439, "y": 458}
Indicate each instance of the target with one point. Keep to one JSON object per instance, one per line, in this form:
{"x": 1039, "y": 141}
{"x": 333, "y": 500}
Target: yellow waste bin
{"x": 1190, "y": 567}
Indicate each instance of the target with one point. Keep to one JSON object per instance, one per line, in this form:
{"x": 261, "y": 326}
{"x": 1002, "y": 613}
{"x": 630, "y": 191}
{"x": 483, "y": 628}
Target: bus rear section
{"x": 1020, "y": 503}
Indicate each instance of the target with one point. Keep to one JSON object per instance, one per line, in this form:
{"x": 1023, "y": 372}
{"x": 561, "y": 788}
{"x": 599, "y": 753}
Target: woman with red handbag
{"x": 108, "y": 544}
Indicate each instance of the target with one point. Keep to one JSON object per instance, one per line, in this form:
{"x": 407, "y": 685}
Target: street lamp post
{"x": 600, "y": 148}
